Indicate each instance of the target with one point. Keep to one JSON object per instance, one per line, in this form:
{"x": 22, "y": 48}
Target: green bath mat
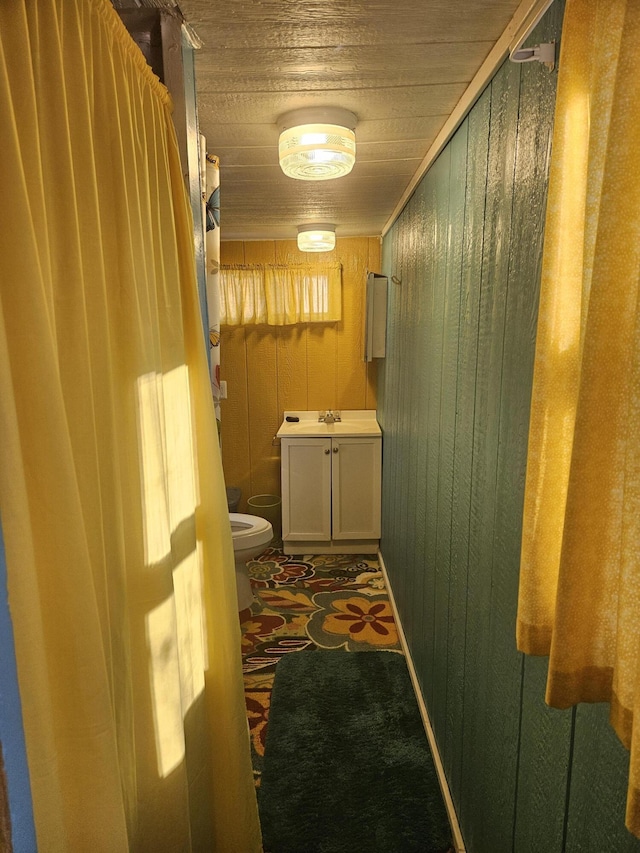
{"x": 347, "y": 766}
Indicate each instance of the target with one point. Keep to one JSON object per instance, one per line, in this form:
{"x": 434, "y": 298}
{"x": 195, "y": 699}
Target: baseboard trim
{"x": 458, "y": 840}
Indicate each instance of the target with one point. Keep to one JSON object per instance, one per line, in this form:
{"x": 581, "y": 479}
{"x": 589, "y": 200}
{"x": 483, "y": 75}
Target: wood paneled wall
{"x": 270, "y": 369}
{"x": 454, "y": 400}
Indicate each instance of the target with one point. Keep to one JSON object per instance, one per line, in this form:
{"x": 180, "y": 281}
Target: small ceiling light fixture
{"x": 316, "y": 237}
{"x": 317, "y": 143}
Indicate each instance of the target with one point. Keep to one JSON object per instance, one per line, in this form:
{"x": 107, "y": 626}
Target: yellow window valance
{"x": 280, "y": 295}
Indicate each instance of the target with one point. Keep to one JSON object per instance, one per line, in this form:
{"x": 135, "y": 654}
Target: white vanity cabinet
{"x": 331, "y": 485}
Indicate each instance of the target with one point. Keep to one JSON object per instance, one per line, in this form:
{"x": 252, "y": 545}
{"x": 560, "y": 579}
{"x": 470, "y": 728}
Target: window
{"x": 280, "y": 295}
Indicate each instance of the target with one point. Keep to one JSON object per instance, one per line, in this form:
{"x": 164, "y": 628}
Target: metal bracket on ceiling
{"x": 545, "y": 53}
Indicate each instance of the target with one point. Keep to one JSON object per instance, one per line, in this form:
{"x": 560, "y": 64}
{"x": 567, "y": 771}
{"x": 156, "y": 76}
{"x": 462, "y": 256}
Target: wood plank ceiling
{"x": 400, "y": 65}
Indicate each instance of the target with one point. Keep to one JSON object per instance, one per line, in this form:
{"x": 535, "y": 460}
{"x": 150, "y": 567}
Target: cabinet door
{"x": 306, "y": 489}
{"x": 356, "y": 464}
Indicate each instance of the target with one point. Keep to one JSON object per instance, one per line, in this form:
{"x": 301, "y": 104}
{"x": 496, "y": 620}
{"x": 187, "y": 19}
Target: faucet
{"x": 329, "y": 417}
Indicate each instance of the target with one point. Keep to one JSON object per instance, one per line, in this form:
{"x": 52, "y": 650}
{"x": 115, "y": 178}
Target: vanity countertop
{"x": 353, "y": 422}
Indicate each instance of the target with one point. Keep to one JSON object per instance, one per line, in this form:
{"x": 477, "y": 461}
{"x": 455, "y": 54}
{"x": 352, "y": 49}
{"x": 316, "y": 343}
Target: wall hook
{"x": 396, "y": 280}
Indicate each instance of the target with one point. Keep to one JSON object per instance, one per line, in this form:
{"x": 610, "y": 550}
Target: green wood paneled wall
{"x": 454, "y": 398}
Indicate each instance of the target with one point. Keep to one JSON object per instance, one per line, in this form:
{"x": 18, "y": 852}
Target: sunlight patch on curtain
{"x": 280, "y": 295}
{"x": 165, "y": 682}
{"x": 176, "y": 634}
{"x": 192, "y": 636}
{"x": 168, "y": 484}
{"x": 177, "y": 660}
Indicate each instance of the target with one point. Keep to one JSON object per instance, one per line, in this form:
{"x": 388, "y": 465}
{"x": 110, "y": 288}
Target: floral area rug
{"x": 328, "y": 602}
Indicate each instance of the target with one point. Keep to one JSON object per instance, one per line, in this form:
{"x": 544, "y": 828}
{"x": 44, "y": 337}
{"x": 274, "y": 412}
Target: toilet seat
{"x": 248, "y": 530}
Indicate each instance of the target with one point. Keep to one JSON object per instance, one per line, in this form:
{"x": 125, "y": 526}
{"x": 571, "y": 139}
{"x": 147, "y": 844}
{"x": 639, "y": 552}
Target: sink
{"x": 353, "y": 422}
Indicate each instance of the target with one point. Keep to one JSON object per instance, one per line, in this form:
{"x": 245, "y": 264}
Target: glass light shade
{"x": 320, "y": 237}
{"x": 317, "y": 143}
{"x": 317, "y": 152}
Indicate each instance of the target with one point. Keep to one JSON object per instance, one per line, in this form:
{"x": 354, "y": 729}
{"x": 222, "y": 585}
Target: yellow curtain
{"x": 580, "y": 573}
{"x": 280, "y": 295}
{"x": 119, "y": 553}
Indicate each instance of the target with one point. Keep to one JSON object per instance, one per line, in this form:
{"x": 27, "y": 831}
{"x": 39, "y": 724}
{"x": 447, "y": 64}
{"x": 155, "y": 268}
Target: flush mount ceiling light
{"x": 317, "y": 143}
{"x": 317, "y": 237}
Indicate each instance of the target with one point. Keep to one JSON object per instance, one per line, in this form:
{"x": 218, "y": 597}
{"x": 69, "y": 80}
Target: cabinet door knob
{"x": 335, "y": 449}
{"x": 327, "y": 451}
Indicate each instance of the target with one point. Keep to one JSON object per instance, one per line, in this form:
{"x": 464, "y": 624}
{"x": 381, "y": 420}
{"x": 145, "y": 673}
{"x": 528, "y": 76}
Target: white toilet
{"x": 251, "y": 535}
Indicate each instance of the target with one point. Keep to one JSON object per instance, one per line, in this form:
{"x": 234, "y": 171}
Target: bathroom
{"x": 452, "y": 398}
{"x": 493, "y": 722}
